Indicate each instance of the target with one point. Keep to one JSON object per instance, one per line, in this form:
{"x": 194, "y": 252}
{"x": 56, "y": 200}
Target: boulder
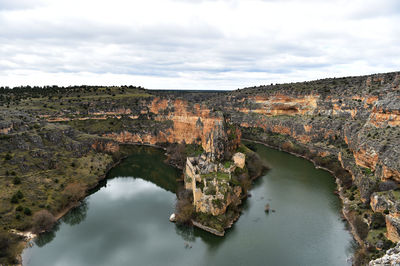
{"x": 239, "y": 159}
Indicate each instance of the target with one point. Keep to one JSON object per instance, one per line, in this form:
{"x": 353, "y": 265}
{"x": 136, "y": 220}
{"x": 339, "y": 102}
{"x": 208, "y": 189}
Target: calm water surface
{"x": 125, "y": 222}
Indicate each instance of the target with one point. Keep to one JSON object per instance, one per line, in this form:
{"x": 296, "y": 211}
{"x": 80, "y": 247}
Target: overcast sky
{"x": 188, "y": 44}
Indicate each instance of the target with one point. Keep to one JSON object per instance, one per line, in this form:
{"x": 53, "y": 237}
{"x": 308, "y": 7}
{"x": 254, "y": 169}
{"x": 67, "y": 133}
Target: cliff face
{"x": 154, "y": 121}
{"x": 357, "y": 121}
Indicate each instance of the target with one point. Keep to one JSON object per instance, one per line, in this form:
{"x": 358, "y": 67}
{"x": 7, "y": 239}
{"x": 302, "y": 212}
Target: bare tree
{"x": 42, "y": 221}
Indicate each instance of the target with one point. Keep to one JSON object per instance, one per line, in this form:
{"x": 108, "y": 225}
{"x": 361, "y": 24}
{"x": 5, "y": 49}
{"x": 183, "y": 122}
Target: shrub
{"x": 7, "y": 157}
{"x": 19, "y": 208}
{"x": 16, "y": 181}
{"x": 42, "y": 221}
{"x": 19, "y": 194}
{"x": 377, "y": 220}
{"x": 14, "y": 199}
{"x": 27, "y": 211}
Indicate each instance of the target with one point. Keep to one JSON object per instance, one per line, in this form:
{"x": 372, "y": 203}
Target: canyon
{"x": 350, "y": 126}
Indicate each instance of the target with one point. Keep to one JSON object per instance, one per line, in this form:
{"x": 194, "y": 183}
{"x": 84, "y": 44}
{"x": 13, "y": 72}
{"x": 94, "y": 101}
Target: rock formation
{"x": 350, "y": 126}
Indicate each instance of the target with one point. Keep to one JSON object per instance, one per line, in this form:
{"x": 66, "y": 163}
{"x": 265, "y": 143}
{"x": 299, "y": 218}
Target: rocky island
{"x": 56, "y": 143}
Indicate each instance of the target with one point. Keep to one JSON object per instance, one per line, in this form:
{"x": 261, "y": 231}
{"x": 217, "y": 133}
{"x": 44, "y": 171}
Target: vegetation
{"x": 178, "y": 152}
{"x": 184, "y": 207}
{"x": 73, "y": 193}
{"x": 42, "y": 221}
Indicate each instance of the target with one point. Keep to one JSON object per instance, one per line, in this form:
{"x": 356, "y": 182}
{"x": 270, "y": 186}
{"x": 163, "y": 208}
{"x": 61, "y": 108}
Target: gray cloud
{"x": 207, "y": 44}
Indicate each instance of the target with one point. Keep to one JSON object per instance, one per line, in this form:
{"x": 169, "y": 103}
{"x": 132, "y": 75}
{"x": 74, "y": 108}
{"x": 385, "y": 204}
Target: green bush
{"x": 19, "y": 194}
{"x": 14, "y": 199}
{"x": 19, "y": 208}
{"x": 377, "y": 220}
{"x": 27, "y": 211}
{"x": 16, "y": 181}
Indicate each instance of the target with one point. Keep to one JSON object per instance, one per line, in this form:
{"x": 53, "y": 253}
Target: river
{"x": 125, "y": 220}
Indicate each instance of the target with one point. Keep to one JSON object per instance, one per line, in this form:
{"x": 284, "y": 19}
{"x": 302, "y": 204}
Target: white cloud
{"x": 186, "y": 44}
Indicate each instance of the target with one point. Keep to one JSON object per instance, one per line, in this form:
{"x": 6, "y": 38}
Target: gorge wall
{"x": 350, "y": 123}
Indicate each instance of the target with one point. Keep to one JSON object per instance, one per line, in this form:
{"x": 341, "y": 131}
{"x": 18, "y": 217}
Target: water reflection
{"x": 47, "y": 237}
{"x": 126, "y": 221}
{"x": 147, "y": 163}
{"x": 186, "y": 232}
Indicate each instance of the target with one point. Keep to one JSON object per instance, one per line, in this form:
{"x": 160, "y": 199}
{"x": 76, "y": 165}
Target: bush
{"x": 19, "y": 208}
{"x": 16, "y": 181}
{"x": 7, "y": 157}
{"x": 377, "y": 220}
{"x": 19, "y": 194}
{"x": 42, "y": 221}
{"x": 14, "y": 199}
{"x": 27, "y": 211}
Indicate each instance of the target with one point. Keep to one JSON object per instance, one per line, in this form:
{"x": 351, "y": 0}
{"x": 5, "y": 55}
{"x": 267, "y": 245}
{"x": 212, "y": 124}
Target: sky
{"x": 188, "y": 44}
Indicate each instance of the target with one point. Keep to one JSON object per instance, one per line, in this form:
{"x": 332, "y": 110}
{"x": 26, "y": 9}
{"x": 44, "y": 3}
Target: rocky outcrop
{"x": 210, "y": 184}
{"x": 393, "y": 228}
{"x": 386, "y": 201}
{"x": 239, "y": 159}
{"x": 105, "y": 145}
{"x": 391, "y": 258}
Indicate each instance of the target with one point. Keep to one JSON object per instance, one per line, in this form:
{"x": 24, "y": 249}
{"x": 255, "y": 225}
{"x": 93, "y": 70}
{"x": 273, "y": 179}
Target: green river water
{"x": 125, "y": 221}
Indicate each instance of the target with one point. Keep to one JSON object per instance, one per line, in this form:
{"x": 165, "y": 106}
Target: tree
{"x": 42, "y": 221}
{"x": 73, "y": 193}
{"x": 184, "y": 208}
